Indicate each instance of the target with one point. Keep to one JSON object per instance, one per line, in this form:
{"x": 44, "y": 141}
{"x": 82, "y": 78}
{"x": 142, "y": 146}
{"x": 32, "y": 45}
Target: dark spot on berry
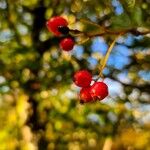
{"x": 63, "y": 29}
{"x": 73, "y": 79}
{"x": 81, "y": 102}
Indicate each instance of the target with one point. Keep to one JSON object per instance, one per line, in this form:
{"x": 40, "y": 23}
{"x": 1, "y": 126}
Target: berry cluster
{"x": 88, "y": 93}
{"x": 59, "y": 26}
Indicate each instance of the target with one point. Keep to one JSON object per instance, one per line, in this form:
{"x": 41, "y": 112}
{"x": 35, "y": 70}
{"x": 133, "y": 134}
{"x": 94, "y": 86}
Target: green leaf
{"x": 130, "y": 3}
{"x": 136, "y": 15}
{"x": 121, "y": 22}
{"x": 92, "y": 27}
{"x": 82, "y": 39}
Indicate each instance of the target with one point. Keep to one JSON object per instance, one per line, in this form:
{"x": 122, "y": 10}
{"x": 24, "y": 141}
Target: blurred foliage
{"x": 39, "y": 106}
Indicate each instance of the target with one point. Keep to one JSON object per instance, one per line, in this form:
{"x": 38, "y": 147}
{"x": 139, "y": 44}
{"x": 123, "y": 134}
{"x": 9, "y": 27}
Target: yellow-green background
{"x": 39, "y": 106}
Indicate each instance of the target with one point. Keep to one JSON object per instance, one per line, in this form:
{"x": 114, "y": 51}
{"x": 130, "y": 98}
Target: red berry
{"x": 54, "y": 23}
{"x": 67, "y": 44}
{"x": 99, "y": 90}
{"x": 82, "y": 78}
{"x": 85, "y": 95}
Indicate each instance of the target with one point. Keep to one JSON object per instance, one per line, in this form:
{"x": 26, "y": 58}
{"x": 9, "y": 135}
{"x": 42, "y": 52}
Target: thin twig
{"x": 104, "y": 60}
{"x": 109, "y": 32}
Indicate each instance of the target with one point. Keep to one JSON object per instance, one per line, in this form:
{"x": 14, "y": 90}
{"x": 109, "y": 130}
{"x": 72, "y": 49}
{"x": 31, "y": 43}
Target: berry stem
{"x": 104, "y": 60}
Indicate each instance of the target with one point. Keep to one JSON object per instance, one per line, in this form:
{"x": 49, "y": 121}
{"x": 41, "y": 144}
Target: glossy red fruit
{"x": 99, "y": 90}
{"x": 82, "y": 78}
{"x": 67, "y": 44}
{"x": 54, "y": 23}
{"x": 85, "y": 95}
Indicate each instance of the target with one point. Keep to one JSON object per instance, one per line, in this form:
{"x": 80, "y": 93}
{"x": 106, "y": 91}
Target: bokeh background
{"x": 39, "y": 105}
